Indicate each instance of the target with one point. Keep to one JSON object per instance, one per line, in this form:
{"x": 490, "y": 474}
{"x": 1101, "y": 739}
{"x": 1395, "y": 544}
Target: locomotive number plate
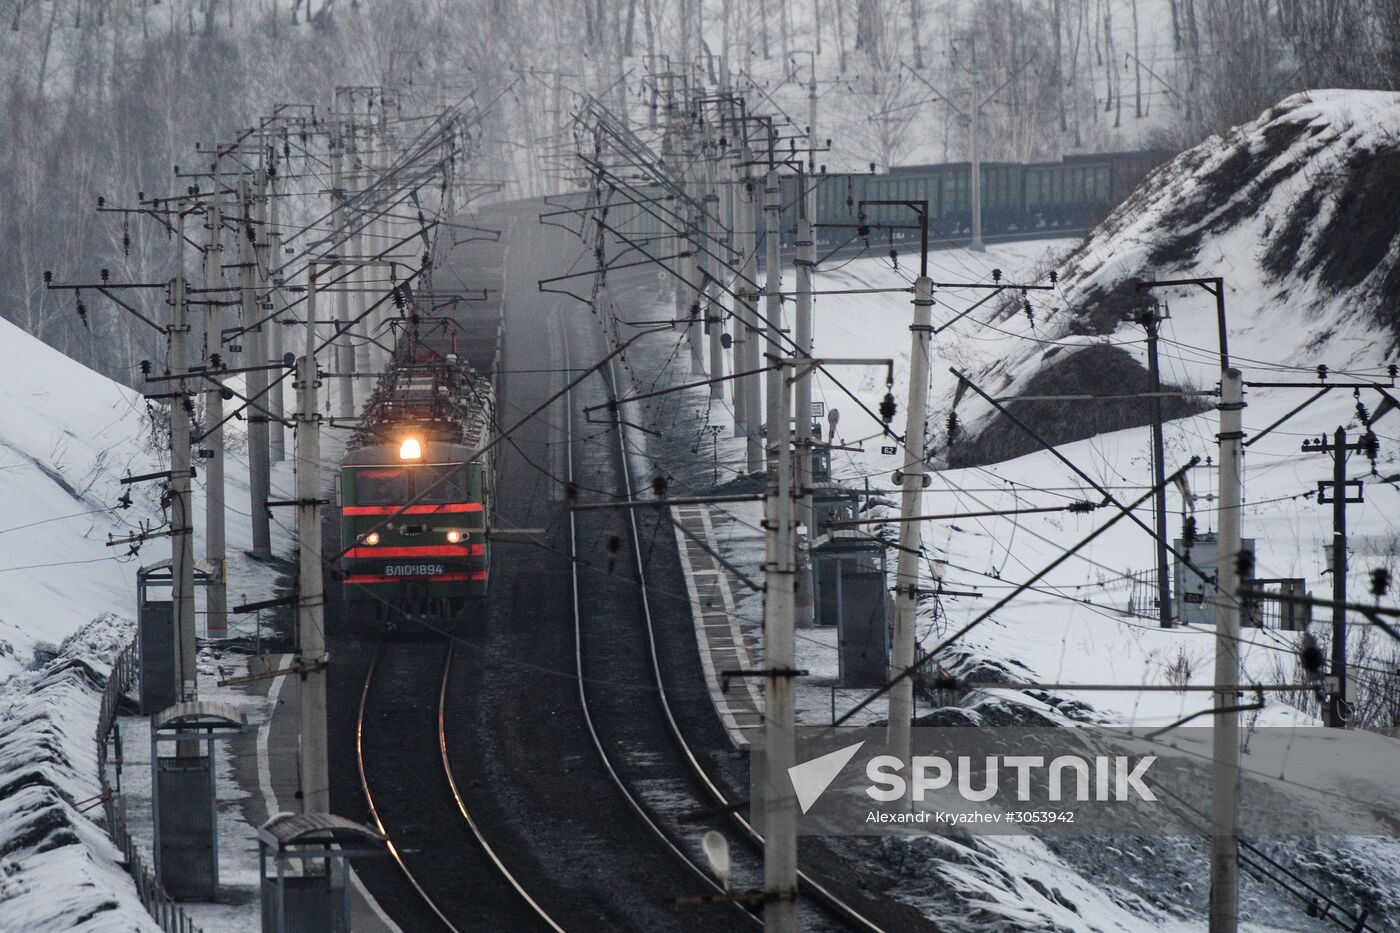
{"x": 414, "y": 570}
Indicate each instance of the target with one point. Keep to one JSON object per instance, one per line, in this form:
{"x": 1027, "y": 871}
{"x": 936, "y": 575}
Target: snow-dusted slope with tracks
{"x": 1295, "y": 213}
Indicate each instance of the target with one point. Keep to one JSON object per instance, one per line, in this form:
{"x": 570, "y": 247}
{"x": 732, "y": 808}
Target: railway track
{"x": 570, "y": 852}
{"x": 467, "y": 887}
{"x": 666, "y": 764}
{"x": 595, "y": 663}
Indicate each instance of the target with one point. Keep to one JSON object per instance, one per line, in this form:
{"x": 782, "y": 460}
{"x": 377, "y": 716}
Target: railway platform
{"x": 722, "y": 642}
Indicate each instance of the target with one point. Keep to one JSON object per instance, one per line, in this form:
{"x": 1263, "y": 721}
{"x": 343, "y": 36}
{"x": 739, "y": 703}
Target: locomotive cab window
{"x": 382, "y": 486}
{"x": 454, "y": 488}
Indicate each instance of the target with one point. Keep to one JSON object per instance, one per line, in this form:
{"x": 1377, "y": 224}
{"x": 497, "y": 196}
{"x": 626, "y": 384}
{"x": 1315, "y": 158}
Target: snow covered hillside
{"x": 1297, "y": 212}
{"x": 1289, "y": 211}
{"x": 67, "y": 436}
{"x": 1267, "y": 208}
{"x": 58, "y": 868}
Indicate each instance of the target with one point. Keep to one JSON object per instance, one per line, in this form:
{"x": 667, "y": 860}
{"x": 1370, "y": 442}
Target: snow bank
{"x": 1298, "y": 211}
{"x": 58, "y": 868}
{"x": 67, "y": 436}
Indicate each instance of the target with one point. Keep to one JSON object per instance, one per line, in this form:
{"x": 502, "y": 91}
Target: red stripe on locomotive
{"x": 412, "y": 509}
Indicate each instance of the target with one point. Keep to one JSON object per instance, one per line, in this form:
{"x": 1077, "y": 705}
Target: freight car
{"x": 1018, "y": 200}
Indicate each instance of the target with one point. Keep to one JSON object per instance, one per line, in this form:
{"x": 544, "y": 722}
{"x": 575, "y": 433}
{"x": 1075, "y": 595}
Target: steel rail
{"x": 374, "y": 810}
{"x": 617, "y": 780}
{"x": 808, "y": 885}
{"x": 462, "y": 806}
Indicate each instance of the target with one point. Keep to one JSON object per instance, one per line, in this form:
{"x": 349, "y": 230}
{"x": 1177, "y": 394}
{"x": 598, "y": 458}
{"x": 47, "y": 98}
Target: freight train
{"x": 1019, "y": 201}
{"x": 415, "y": 489}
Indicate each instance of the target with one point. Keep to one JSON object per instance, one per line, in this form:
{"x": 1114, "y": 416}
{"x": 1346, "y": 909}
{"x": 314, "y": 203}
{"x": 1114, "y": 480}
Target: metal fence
{"x": 1142, "y": 598}
{"x": 158, "y": 904}
{"x": 1264, "y": 612}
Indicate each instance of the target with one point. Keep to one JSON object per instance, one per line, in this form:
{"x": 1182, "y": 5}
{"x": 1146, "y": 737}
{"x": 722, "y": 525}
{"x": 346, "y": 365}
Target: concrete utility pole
{"x": 687, "y": 295}
{"x": 811, "y": 192}
{"x": 911, "y": 479}
{"x": 386, "y": 162}
{"x": 181, "y": 470}
{"x": 747, "y": 351}
{"x": 1338, "y": 710}
{"x": 358, "y": 280}
{"x": 708, "y": 297}
{"x": 277, "y": 435}
{"x": 259, "y": 479}
{"x": 773, "y": 300}
{"x": 311, "y": 628}
{"x": 739, "y": 212}
{"x": 379, "y": 229}
{"x": 975, "y": 113}
{"x": 1224, "y": 801}
{"x": 733, "y": 212}
{"x": 344, "y": 348}
{"x": 216, "y": 593}
{"x": 802, "y": 416}
{"x": 1150, "y": 321}
{"x": 780, "y": 907}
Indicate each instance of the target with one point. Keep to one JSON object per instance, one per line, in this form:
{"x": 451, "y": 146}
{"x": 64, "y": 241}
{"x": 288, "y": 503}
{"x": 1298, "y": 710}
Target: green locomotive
{"x": 415, "y": 485}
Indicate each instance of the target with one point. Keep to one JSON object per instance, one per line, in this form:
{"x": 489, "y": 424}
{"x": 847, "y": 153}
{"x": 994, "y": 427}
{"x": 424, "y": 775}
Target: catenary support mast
{"x": 911, "y": 482}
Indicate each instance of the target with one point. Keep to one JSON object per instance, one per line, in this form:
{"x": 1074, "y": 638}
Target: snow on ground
{"x": 67, "y": 436}
{"x": 236, "y": 910}
{"x": 58, "y": 868}
{"x": 1222, "y": 209}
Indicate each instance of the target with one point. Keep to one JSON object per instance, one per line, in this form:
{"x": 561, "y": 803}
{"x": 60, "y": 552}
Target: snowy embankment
{"x": 58, "y": 868}
{"x": 1262, "y": 208}
{"x": 67, "y": 437}
{"x": 1291, "y": 212}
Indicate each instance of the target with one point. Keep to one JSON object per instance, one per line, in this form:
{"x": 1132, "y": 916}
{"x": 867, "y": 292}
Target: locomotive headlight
{"x": 454, "y": 536}
{"x": 372, "y": 538}
{"x": 410, "y": 449}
